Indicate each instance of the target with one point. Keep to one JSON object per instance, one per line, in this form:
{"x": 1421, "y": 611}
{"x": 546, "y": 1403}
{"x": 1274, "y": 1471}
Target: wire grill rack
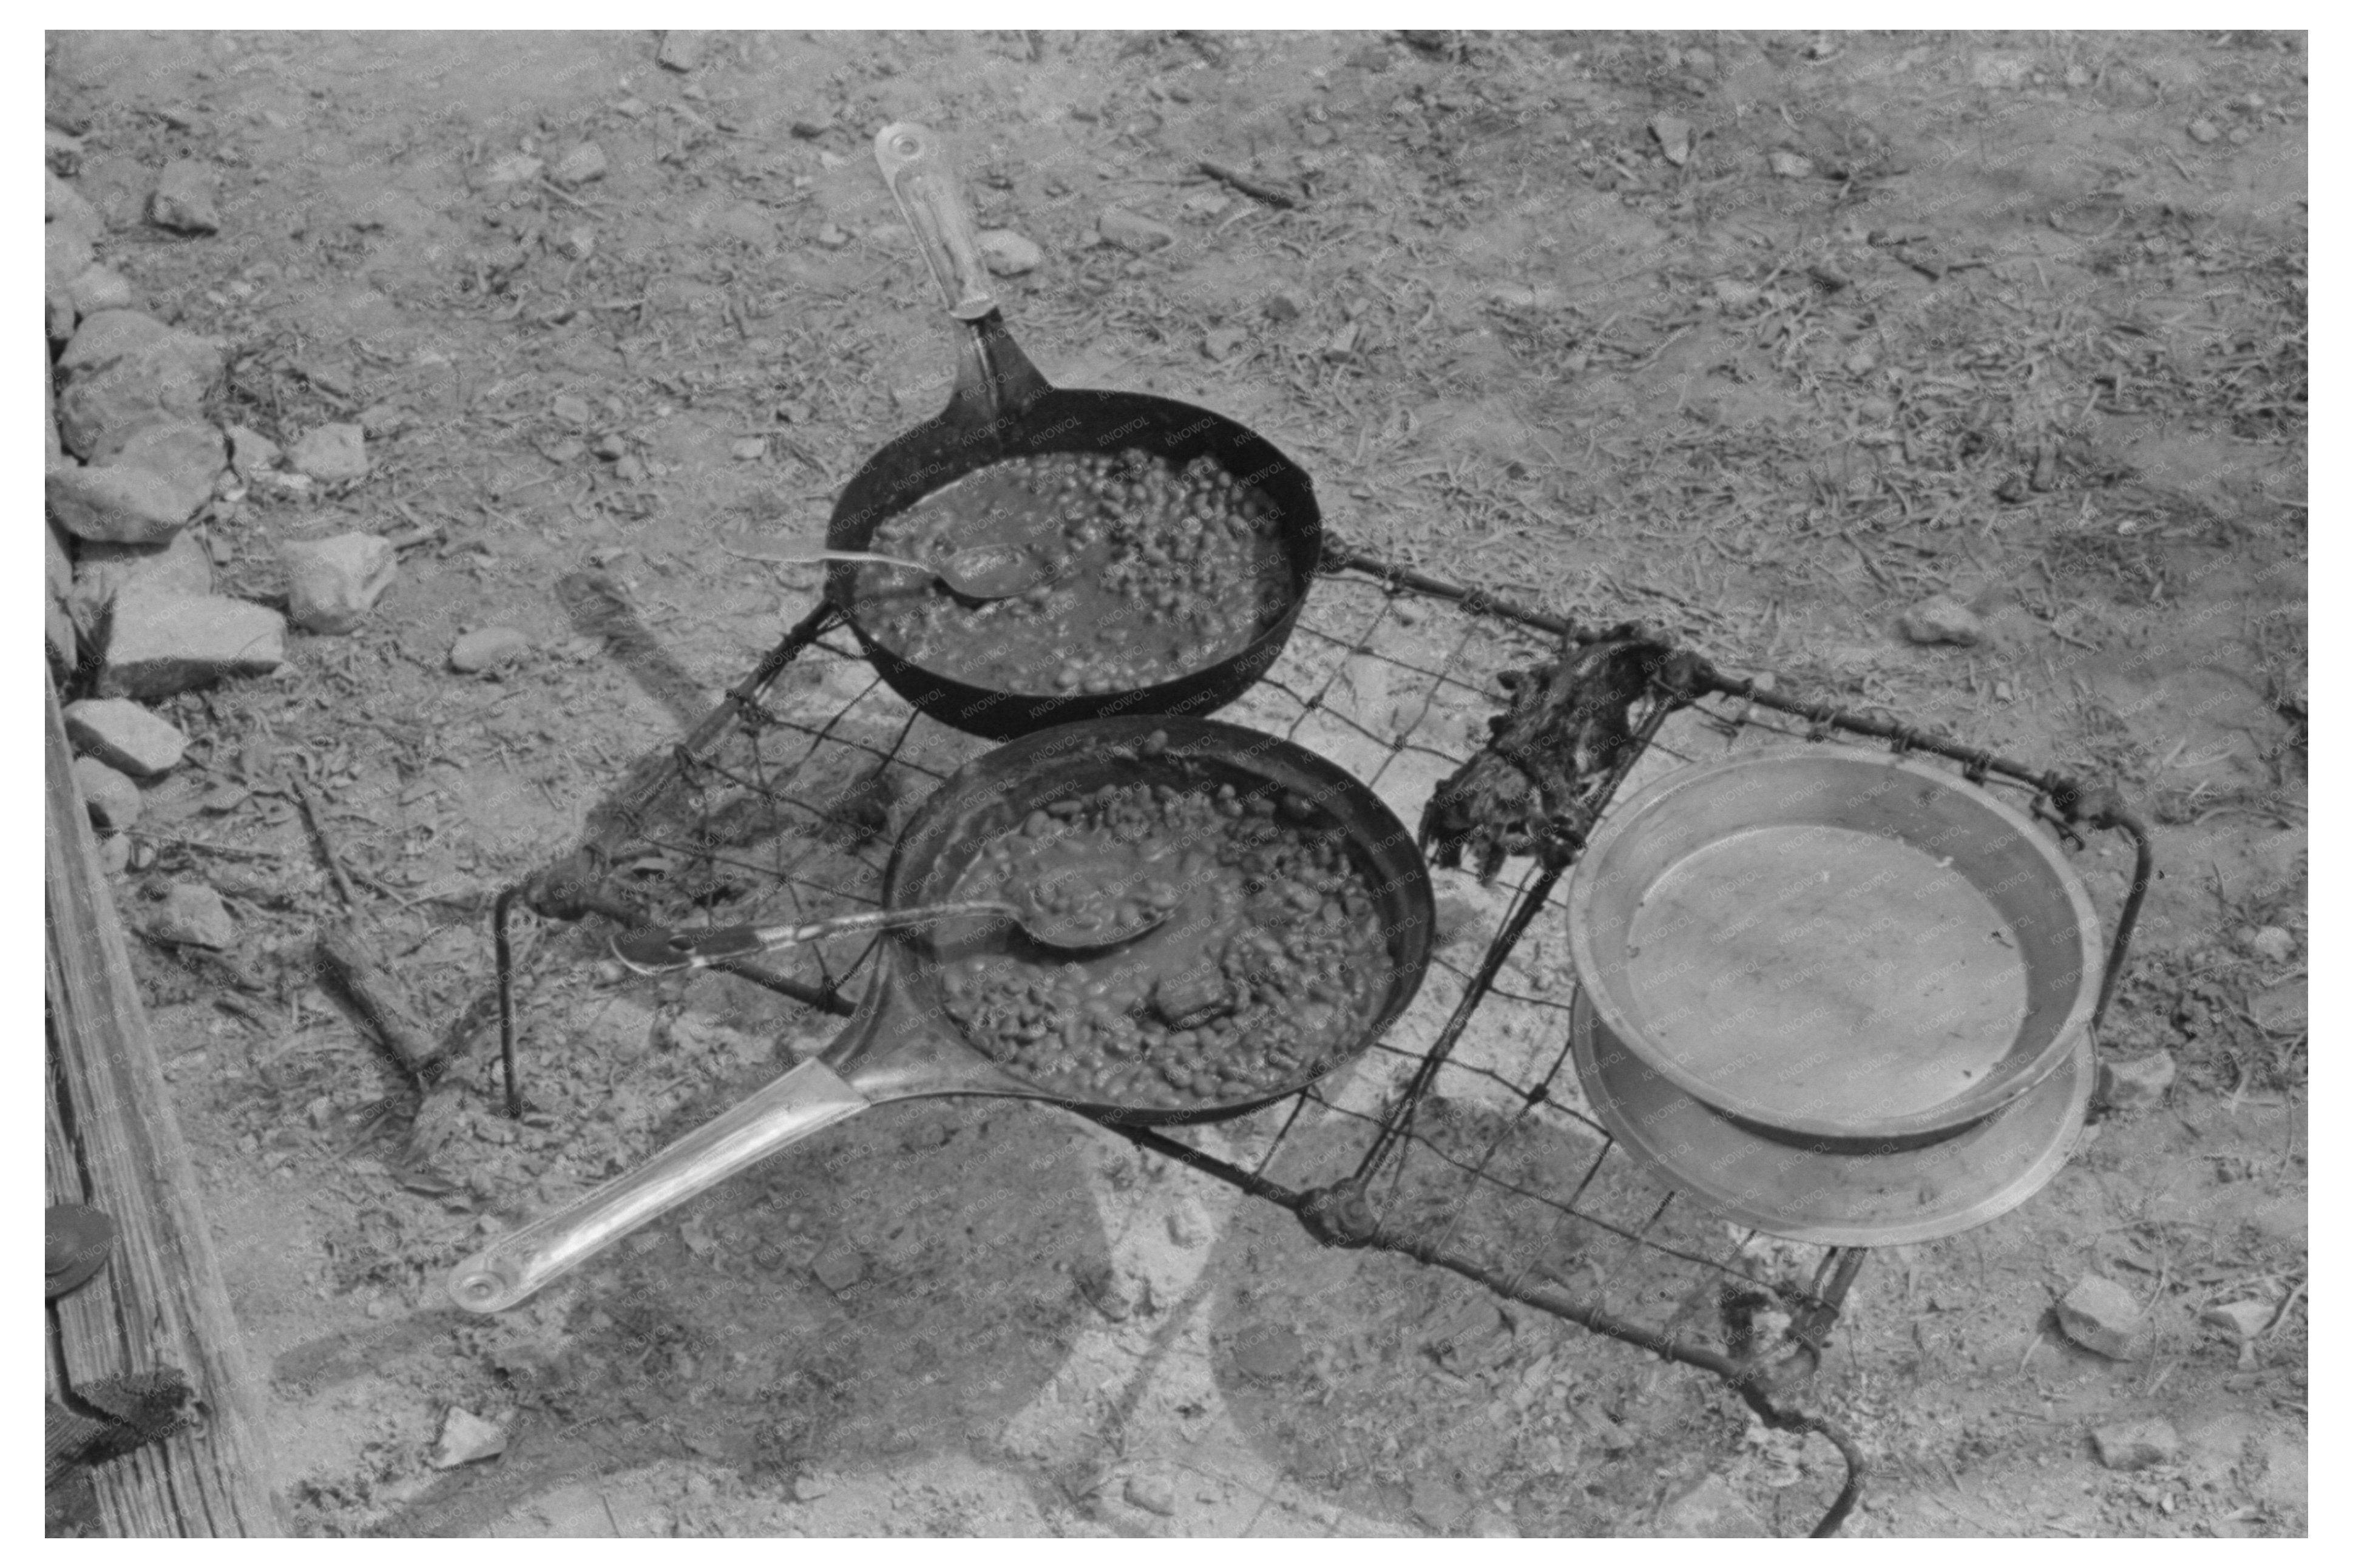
{"x": 1463, "y": 1139}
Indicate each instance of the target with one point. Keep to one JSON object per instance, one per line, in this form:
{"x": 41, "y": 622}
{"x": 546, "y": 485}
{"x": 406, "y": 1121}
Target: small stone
{"x": 467, "y": 1438}
{"x": 1185, "y": 1228}
{"x": 2079, "y": 75}
{"x": 2283, "y": 1009}
{"x": 837, "y": 1267}
{"x": 1223, "y": 342}
{"x": 1788, "y": 165}
{"x": 2136, "y": 1445}
{"x": 2100, "y": 1315}
{"x": 573, "y": 409}
{"x": 1943, "y": 620}
{"x": 112, "y": 799}
{"x": 124, "y": 736}
{"x": 2273, "y": 945}
{"x": 1133, "y": 231}
{"x": 748, "y": 448}
{"x": 1341, "y": 345}
{"x": 250, "y": 451}
{"x": 114, "y": 853}
{"x": 579, "y": 243}
{"x": 331, "y": 452}
{"x": 116, "y": 506}
{"x": 1673, "y": 136}
{"x": 833, "y": 236}
{"x": 2135, "y": 1083}
{"x": 98, "y": 287}
{"x": 1008, "y": 254}
{"x": 185, "y": 200}
{"x": 193, "y": 914}
{"x": 682, "y": 48}
{"x": 1282, "y": 308}
{"x": 2244, "y": 1319}
{"x": 1489, "y": 1522}
{"x": 1711, "y": 1509}
{"x": 379, "y": 420}
{"x": 808, "y": 1489}
{"x": 160, "y": 644}
{"x": 2202, "y": 131}
{"x": 487, "y": 648}
{"x": 581, "y": 164}
{"x": 1153, "y": 1494}
{"x": 333, "y": 583}
{"x": 515, "y": 169}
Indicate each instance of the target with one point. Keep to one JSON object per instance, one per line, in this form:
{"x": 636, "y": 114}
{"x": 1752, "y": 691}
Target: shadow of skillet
{"x": 898, "y": 1285}
{"x": 1409, "y": 1394}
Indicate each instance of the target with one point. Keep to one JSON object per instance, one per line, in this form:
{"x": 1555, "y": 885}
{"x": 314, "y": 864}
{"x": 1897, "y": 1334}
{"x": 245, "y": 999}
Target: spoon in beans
{"x": 659, "y": 949}
{"x": 980, "y": 573}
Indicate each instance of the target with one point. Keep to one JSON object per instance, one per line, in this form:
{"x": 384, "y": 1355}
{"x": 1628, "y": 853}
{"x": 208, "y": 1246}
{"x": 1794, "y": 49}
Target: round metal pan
{"x": 1835, "y": 1191}
{"x": 1829, "y": 943}
{"x": 1002, "y": 408}
{"x": 902, "y": 1045}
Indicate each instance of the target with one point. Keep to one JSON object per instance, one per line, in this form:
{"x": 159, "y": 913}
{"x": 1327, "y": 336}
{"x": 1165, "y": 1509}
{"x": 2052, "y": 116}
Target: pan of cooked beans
{"x": 1298, "y": 928}
{"x": 1174, "y": 547}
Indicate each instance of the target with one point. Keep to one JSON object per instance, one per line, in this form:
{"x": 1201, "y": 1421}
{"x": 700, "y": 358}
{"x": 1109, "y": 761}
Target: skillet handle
{"x": 810, "y": 1097}
{"x": 915, "y": 166}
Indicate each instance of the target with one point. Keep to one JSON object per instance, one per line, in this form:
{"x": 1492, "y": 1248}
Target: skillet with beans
{"x": 1270, "y": 965}
{"x": 1157, "y": 572}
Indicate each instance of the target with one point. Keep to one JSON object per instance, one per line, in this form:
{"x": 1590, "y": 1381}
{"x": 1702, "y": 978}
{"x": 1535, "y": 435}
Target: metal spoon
{"x": 983, "y": 573}
{"x": 660, "y": 950}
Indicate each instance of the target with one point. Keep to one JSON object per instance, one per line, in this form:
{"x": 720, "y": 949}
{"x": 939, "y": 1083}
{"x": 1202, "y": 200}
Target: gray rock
{"x": 65, "y": 254}
{"x": 2203, "y": 131}
{"x": 1673, "y": 136}
{"x": 99, "y": 287}
{"x": 331, "y": 452}
{"x": 1223, "y": 342}
{"x": 1152, "y": 1493}
{"x": 1943, "y": 620}
{"x": 2283, "y": 1009}
{"x": 63, "y": 641}
{"x": 60, "y": 315}
{"x": 1788, "y": 165}
{"x": 188, "y": 455}
{"x": 2136, "y": 1445}
{"x": 117, "y": 506}
{"x": 1133, "y": 231}
{"x": 1282, "y": 308}
{"x": 1489, "y": 1522}
{"x": 250, "y": 451}
{"x": 64, "y": 206}
{"x": 838, "y": 1267}
{"x": 1711, "y": 1509}
{"x": 1008, "y": 254}
{"x": 486, "y": 647}
{"x": 159, "y": 644}
{"x": 114, "y": 853}
{"x": 112, "y": 798}
{"x": 2274, "y": 944}
{"x": 832, "y": 235}
{"x": 515, "y": 169}
{"x": 186, "y": 198}
{"x": 124, "y": 736}
{"x": 2135, "y": 1083}
{"x": 181, "y": 566}
{"x": 1438, "y": 1503}
{"x": 125, "y": 369}
{"x": 333, "y": 583}
{"x": 465, "y": 1439}
{"x": 2100, "y": 1315}
{"x": 682, "y": 48}
{"x": 581, "y": 164}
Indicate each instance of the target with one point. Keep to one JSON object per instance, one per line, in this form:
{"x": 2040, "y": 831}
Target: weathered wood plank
{"x": 161, "y": 1301}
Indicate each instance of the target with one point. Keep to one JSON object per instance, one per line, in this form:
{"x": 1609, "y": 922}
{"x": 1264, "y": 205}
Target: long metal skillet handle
{"x": 808, "y": 1098}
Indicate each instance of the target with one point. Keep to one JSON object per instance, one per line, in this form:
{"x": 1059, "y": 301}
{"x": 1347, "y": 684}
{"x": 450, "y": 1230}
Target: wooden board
{"x": 114, "y": 1142}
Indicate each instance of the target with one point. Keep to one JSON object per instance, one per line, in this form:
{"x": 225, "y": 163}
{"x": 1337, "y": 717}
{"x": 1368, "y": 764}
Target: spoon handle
{"x": 664, "y": 952}
{"x": 915, "y": 164}
{"x": 819, "y": 557}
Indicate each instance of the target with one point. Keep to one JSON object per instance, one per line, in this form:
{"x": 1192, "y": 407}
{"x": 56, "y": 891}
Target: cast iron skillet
{"x": 1002, "y": 408}
{"x": 901, "y": 1044}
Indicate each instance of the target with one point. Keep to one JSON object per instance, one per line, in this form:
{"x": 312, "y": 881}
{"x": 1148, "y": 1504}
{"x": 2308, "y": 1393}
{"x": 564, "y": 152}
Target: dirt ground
{"x": 1760, "y": 338}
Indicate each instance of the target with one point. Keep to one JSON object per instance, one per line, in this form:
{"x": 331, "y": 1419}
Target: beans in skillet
{"x": 1271, "y": 963}
{"x": 1157, "y": 571}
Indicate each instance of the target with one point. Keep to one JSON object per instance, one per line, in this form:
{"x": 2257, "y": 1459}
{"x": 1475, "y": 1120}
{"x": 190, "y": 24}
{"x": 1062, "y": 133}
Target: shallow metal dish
{"x": 1835, "y": 1191}
{"x": 1834, "y": 944}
